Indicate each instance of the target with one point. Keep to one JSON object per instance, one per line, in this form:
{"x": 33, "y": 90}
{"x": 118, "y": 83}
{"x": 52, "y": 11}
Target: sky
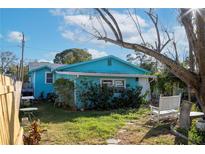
{"x": 49, "y": 31}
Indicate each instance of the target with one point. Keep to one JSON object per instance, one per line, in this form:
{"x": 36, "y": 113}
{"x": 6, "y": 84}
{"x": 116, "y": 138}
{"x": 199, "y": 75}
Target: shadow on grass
{"x": 49, "y": 114}
{"x": 156, "y": 130}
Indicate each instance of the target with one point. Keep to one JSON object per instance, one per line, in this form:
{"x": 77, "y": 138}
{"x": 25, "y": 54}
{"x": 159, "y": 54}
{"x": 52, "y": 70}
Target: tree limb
{"x": 108, "y": 23}
{"x": 137, "y": 26}
{"x": 115, "y": 22}
{"x": 190, "y": 78}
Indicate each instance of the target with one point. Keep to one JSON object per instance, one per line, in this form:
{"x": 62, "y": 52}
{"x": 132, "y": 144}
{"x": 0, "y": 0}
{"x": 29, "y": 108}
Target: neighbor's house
{"x": 108, "y": 70}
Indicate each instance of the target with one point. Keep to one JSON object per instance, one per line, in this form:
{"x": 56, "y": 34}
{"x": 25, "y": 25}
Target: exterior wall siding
{"x": 102, "y": 66}
{"x": 40, "y": 85}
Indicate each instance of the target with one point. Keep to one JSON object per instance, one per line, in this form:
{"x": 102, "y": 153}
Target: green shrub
{"x": 93, "y": 96}
{"x": 195, "y": 107}
{"x": 51, "y": 97}
{"x": 129, "y": 97}
{"x": 195, "y": 135}
{"x": 65, "y": 90}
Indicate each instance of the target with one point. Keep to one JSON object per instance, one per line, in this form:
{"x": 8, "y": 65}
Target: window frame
{"x": 113, "y": 81}
{"x": 46, "y": 77}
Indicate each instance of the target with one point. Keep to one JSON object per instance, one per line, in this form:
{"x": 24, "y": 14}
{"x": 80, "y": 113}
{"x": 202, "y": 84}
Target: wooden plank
{"x": 10, "y": 130}
{"x": 5, "y": 120}
{"x": 19, "y": 139}
{"x": 2, "y": 126}
{"x": 6, "y": 89}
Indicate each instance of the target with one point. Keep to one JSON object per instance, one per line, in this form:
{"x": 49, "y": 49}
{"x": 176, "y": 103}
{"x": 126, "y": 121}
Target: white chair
{"x": 168, "y": 108}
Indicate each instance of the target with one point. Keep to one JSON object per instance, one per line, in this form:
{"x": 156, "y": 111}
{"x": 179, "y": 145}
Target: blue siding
{"x": 40, "y": 85}
{"x": 102, "y": 66}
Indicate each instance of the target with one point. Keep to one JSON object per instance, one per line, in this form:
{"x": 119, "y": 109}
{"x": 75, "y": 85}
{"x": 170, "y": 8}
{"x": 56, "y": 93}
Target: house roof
{"x": 57, "y": 67}
{"x": 34, "y": 66}
{"x": 102, "y": 58}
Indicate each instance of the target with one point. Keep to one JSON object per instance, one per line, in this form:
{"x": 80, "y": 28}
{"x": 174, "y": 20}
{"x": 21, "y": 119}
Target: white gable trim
{"x": 106, "y": 74}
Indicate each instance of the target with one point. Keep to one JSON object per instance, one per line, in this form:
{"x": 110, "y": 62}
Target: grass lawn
{"x": 95, "y": 127}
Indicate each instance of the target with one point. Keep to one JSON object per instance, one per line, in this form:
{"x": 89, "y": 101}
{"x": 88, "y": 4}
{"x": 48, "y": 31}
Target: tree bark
{"x": 184, "y": 118}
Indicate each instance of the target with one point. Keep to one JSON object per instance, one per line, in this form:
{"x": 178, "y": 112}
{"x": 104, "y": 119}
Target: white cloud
{"x": 62, "y": 12}
{"x": 74, "y": 23}
{"x": 15, "y": 36}
{"x": 45, "y": 60}
{"x": 74, "y": 35}
{"x": 97, "y": 54}
{"x": 87, "y": 22}
{"x": 56, "y": 12}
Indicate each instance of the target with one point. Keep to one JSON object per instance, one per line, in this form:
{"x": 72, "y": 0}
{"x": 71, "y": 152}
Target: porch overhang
{"x": 105, "y": 74}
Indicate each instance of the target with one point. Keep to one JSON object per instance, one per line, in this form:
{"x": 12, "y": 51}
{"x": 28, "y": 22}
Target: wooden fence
{"x": 10, "y": 130}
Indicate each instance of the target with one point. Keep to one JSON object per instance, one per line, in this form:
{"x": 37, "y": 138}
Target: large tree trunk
{"x": 200, "y": 48}
{"x": 196, "y": 38}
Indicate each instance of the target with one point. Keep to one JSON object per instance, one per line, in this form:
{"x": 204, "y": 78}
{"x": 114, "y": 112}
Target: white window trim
{"x": 46, "y": 78}
{"x": 113, "y": 81}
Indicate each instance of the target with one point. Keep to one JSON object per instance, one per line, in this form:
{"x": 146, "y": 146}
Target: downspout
{"x": 75, "y": 95}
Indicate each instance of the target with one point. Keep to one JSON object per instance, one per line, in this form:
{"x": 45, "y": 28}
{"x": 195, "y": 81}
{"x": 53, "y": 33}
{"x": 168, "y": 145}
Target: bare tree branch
{"x": 108, "y": 23}
{"x": 101, "y": 24}
{"x": 137, "y": 26}
{"x": 115, "y": 22}
{"x": 154, "y": 19}
{"x": 176, "y": 52}
{"x": 165, "y": 44}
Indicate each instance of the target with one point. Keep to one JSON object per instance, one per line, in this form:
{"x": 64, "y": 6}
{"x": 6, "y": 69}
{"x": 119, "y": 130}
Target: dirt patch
{"x": 143, "y": 131}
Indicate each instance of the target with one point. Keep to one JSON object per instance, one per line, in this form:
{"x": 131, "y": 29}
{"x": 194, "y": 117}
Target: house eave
{"x": 105, "y": 74}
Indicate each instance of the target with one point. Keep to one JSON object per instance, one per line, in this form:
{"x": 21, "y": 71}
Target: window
{"x": 108, "y": 83}
{"x": 49, "y": 78}
{"x": 117, "y": 84}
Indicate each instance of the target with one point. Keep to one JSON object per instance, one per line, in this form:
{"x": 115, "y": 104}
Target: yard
{"x": 95, "y": 127}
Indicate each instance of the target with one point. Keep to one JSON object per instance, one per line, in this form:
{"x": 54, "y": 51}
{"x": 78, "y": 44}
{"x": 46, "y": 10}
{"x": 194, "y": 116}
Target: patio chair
{"x": 168, "y": 108}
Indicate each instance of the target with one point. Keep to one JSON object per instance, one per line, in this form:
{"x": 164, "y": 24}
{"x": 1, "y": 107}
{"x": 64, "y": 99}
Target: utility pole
{"x": 21, "y": 71}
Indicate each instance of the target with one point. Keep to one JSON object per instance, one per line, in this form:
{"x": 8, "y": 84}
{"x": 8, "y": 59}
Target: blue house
{"x": 108, "y": 70}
